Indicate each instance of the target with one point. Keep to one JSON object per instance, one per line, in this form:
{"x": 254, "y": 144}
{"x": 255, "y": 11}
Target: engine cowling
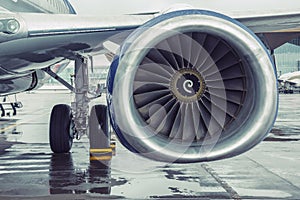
{"x": 191, "y": 86}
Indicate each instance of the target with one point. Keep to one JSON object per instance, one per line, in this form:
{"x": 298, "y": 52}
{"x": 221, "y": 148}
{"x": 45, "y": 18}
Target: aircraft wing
{"x": 291, "y": 82}
{"x": 287, "y": 81}
{"x": 47, "y": 31}
{"x": 43, "y": 40}
{"x": 274, "y": 30}
{"x": 272, "y": 23}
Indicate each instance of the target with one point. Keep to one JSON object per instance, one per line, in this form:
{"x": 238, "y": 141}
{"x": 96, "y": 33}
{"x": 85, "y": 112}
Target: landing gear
{"x": 67, "y": 122}
{"x": 62, "y": 129}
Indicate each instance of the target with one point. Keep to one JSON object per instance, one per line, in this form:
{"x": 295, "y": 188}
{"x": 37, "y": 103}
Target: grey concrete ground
{"x": 28, "y": 169}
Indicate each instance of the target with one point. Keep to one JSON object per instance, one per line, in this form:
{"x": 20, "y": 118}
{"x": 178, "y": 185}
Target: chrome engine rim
{"x": 140, "y": 137}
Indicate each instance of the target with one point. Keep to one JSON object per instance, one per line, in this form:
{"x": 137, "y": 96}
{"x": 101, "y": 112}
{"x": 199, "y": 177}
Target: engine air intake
{"x": 191, "y": 86}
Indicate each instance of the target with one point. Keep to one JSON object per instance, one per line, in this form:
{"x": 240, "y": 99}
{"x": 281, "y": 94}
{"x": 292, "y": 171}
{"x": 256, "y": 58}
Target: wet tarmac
{"x": 28, "y": 169}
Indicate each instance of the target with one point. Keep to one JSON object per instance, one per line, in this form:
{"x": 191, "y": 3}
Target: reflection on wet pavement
{"x": 65, "y": 179}
{"x": 29, "y": 172}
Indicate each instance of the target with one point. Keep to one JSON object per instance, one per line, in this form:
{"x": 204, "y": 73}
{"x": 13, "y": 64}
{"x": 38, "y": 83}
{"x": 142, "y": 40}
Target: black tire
{"x": 99, "y": 135}
{"x": 60, "y": 134}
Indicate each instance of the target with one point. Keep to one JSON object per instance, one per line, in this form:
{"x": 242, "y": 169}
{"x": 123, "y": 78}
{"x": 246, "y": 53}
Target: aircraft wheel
{"x": 62, "y": 129}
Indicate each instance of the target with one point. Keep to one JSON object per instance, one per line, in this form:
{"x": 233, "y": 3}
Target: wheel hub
{"x": 187, "y": 85}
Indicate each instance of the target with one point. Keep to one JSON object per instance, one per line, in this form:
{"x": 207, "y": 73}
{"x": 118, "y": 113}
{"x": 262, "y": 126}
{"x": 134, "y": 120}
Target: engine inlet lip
{"x": 187, "y": 85}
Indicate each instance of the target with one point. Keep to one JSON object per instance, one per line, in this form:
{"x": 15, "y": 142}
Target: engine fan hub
{"x": 187, "y": 85}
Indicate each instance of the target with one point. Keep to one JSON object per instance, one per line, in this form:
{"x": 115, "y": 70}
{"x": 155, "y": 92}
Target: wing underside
{"x": 274, "y": 30}
{"x": 279, "y": 28}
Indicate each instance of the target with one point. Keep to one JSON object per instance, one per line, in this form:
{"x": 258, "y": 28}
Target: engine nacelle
{"x": 192, "y": 86}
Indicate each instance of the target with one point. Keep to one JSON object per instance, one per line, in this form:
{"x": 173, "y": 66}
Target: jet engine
{"x": 191, "y": 86}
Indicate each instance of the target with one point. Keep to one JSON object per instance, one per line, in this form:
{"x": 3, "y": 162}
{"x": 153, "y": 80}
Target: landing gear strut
{"x": 80, "y": 107}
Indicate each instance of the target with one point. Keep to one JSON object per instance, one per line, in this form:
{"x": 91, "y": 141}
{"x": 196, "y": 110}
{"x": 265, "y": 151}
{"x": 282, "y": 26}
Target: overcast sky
{"x": 115, "y": 7}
